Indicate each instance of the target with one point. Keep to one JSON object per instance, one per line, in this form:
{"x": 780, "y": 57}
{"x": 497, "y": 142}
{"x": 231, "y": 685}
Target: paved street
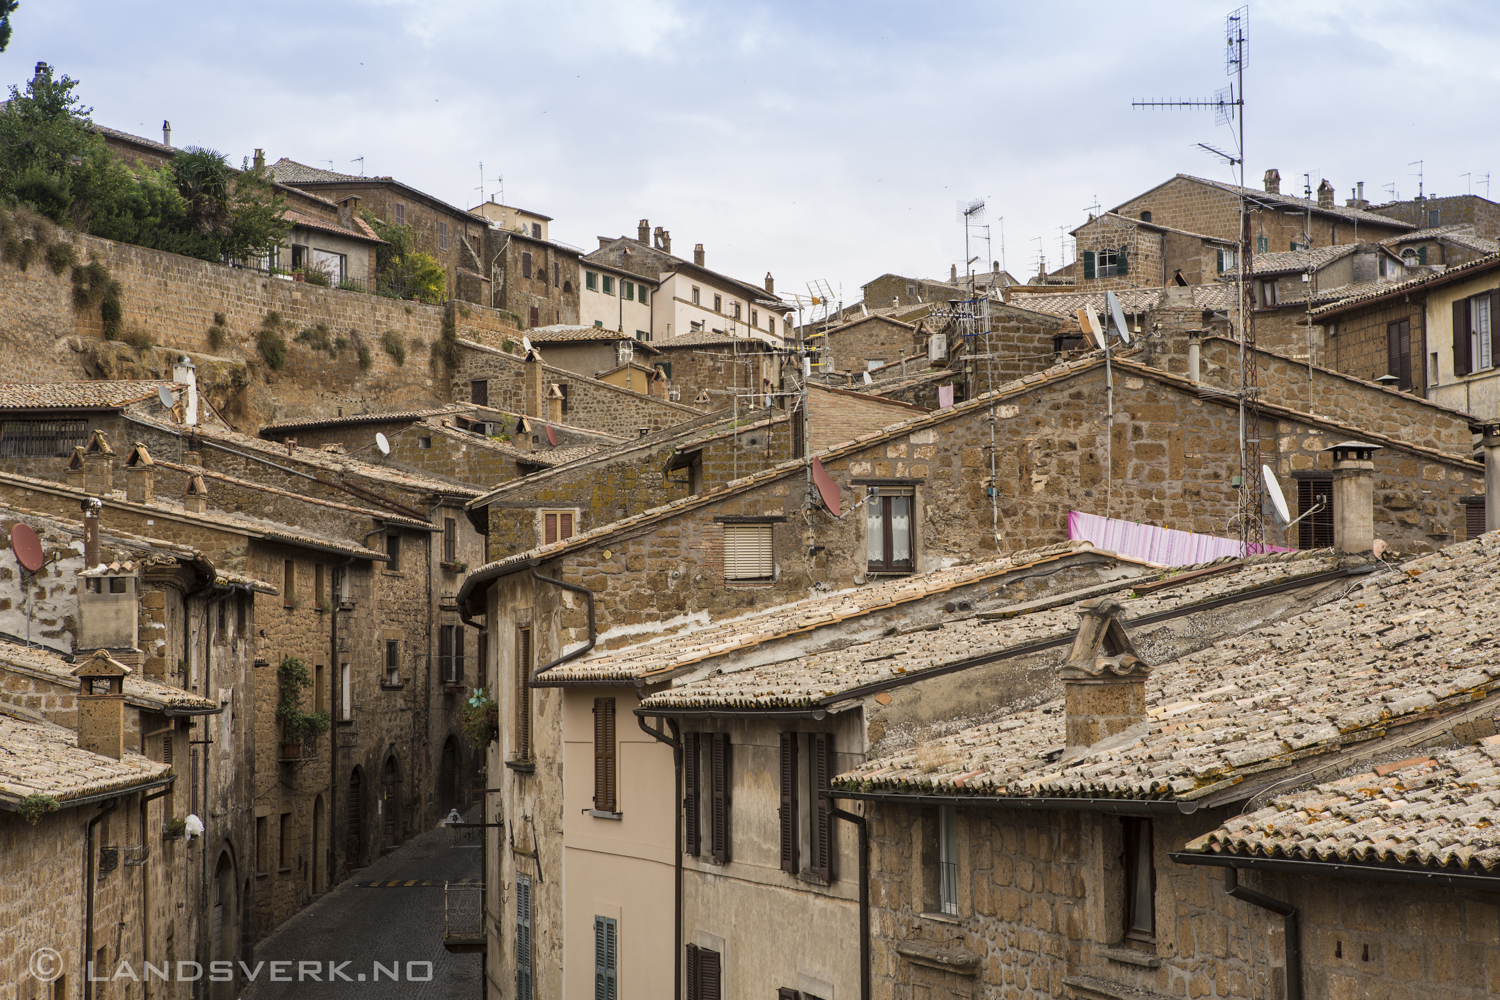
{"x": 391, "y": 922}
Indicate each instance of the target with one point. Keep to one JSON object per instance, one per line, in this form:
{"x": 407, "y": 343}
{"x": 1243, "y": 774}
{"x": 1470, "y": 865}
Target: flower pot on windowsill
{"x": 291, "y": 751}
{"x": 298, "y": 276}
{"x": 454, "y": 567}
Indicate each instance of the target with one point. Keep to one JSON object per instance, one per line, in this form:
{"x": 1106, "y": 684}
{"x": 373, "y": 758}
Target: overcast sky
{"x": 814, "y": 140}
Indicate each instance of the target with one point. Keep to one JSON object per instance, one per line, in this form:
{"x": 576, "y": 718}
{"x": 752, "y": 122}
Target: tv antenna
{"x": 361, "y": 161}
{"x": 1417, "y": 175}
{"x": 1228, "y": 105}
{"x": 970, "y": 214}
{"x": 330, "y": 165}
{"x": 1485, "y": 180}
{"x": 1468, "y": 182}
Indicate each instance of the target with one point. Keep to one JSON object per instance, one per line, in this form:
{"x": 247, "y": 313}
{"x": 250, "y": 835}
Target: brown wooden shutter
{"x": 604, "y": 754}
{"x": 1495, "y": 328}
{"x": 720, "y": 776}
{"x": 523, "y": 694}
{"x": 1461, "y": 362}
{"x": 1393, "y": 349}
{"x": 549, "y": 530}
{"x": 708, "y": 974}
{"x": 789, "y": 803}
{"x": 1473, "y": 522}
{"x": 1403, "y": 346}
{"x": 823, "y": 831}
{"x": 690, "y": 808}
{"x": 694, "y": 989}
{"x": 786, "y": 993}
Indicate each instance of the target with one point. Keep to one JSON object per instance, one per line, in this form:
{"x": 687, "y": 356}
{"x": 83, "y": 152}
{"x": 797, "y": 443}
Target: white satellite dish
{"x": 1088, "y": 322}
{"x": 1278, "y": 499}
{"x": 382, "y": 443}
{"x": 867, "y": 378}
{"x": 1112, "y": 302}
{"x": 165, "y": 397}
{"x": 526, "y": 343}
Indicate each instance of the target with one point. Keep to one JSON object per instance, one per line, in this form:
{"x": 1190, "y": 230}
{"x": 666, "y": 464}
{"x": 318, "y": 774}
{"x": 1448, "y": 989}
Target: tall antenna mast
{"x": 1418, "y": 175}
{"x": 970, "y": 214}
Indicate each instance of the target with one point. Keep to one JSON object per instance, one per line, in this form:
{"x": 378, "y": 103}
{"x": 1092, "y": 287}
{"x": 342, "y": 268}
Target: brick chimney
{"x": 643, "y": 231}
{"x": 166, "y": 133}
{"x": 98, "y": 465}
{"x": 101, "y": 705}
{"x": 1325, "y": 194}
{"x": 698, "y": 254}
{"x": 195, "y": 495}
{"x": 770, "y": 283}
{"x": 1353, "y": 496}
{"x": 1491, "y": 442}
{"x": 663, "y": 240}
{"x": 1104, "y": 680}
{"x": 1273, "y": 181}
{"x": 73, "y": 470}
{"x": 554, "y": 404}
{"x": 140, "y": 475}
{"x": 658, "y": 384}
{"x": 953, "y": 274}
{"x": 42, "y": 72}
{"x": 348, "y": 205}
{"x": 536, "y": 386}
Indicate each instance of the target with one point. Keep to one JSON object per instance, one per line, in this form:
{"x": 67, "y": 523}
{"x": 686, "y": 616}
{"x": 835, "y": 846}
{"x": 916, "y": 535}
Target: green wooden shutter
{"x": 1262, "y": 244}
{"x": 1122, "y": 257}
{"x": 1219, "y": 255}
{"x": 1088, "y": 263}
{"x": 1421, "y": 255}
{"x": 788, "y": 811}
{"x": 606, "y": 961}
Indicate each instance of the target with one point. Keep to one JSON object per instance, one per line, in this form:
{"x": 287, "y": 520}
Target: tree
{"x": 400, "y": 266}
{"x": 45, "y": 133}
{"x": 7, "y": 8}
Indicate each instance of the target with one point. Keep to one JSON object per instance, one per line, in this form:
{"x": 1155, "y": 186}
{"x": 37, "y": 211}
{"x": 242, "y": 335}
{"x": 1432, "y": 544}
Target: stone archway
{"x": 223, "y": 922}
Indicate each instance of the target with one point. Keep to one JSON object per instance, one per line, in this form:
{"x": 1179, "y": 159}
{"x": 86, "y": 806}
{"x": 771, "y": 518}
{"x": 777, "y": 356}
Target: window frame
{"x": 606, "y": 958}
{"x": 391, "y": 665}
{"x": 591, "y": 281}
{"x": 556, "y": 525}
{"x": 696, "y": 296}
{"x": 525, "y": 976}
{"x": 745, "y": 534}
{"x": 606, "y": 759}
{"x": 947, "y": 860}
{"x": 882, "y": 503}
{"x": 1136, "y": 833}
{"x": 719, "y": 304}
{"x": 442, "y": 236}
{"x": 526, "y": 266}
{"x": 1398, "y": 353}
{"x": 393, "y": 551}
{"x": 346, "y": 692}
{"x": 450, "y": 539}
{"x": 607, "y": 284}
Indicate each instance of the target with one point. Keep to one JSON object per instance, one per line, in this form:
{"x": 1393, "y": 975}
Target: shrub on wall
{"x": 270, "y": 342}
{"x": 394, "y": 346}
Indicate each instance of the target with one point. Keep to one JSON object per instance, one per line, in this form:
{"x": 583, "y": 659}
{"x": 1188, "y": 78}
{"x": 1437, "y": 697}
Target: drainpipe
{"x": 1288, "y": 913}
{"x": 675, "y": 742}
{"x": 588, "y": 595}
{"x": 864, "y": 892}
{"x": 432, "y": 556}
{"x": 335, "y": 673}
{"x": 88, "y": 887}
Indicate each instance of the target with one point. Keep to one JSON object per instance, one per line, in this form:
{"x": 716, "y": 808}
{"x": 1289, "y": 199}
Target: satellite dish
{"x": 165, "y": 397}
{"x": 1088, "y": 321}
{"x": 526, "y": 343}
{"x": 1278, "y": 499}
{"x": 27, "y": 547}
{"x": 382, "y": 443}
{"x": 1112, "y": 301}
{"x": 551, "y": 436}
{"x": 867, "y": 378}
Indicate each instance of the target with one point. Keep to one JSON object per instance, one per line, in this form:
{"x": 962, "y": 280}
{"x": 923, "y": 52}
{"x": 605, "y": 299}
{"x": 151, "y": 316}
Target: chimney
{"x": 554, "y": 404}
{"x": 536, "y": 387}
{"x": 643, "y": 231}
{"x": 953, "y": 274}
{"x": 1195, "y": 343}
{"x": 73, "y": 471}
{"x": 1358, "y": 201}
{"x": 91, "y": 508}
{"x": 101, "y": 705}
{"x": 1353, "y": 496}
{"x": 1491, "y": 442}
{"x": 348, "y": 205}
{"x": 1104, "y": 680}
{"x": 1325, "y": 194}
{"x": 184, "y": 372}
{"x": 1273, "y": 181}
{"x": 195, "y": 495}
{"x": 140, "y": 475}
{"x": 698, "y": 254}
{"x": 166, "y": 133}
{"x": 770, "y": 284}
{"x": 658, "y": 385}
{"x": 98, "y": 465}
{"x": 260, "y": 159}
{"x": 43, "y": 71}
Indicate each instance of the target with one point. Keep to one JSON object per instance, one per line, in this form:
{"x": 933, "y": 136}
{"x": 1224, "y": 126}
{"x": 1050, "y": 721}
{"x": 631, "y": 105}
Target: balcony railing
{"x": 463, "y": 917}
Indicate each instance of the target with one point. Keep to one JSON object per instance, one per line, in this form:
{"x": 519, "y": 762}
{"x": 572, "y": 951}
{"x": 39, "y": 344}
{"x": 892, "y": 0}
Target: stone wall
{"x": 1022, "y": 343}
{"x": 1481, "y": 212}
{"x": 1144, "y": 253}
{"x": 1356, "y": 342}
{"x": 853, "y": 346}
{"x": 724, "y": 369}
{"x": 548, "y": 295}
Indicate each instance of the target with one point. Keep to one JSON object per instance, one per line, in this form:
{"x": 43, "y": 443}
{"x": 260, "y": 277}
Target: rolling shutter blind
{"x": 605, "y": 961}
{"x": 789, "y": 803}
{"x": 523, "y": 937}
{"x": 1474, "y": 519}
{"x": 720, "y": 774}
{"x": 604, "y": 754}
{"x": 747, "y": 552}
{"x": 690, "y": 813}
{"x": 823, "y": 831}
{"x": 1088, "y": 263}
{"x": 1461, "y": 363}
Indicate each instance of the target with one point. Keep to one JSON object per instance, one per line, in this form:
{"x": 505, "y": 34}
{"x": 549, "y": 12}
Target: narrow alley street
{"x": 388, "y": 914}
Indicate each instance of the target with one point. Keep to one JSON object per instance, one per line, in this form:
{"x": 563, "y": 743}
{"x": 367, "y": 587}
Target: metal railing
{"x": 463, "y": 914}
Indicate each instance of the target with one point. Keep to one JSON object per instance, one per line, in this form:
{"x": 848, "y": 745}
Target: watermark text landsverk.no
{"x": 47, "y": 965}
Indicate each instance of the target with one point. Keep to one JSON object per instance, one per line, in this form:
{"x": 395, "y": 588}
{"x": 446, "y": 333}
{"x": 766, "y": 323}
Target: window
{"x": 451, "y": 653}
{"x": 947, "y": 855}
{"x": 888, "y": 524}
{"x": 320, "y": 584}
{"x": 754, "y": 318}
{"x": 1140, "y": 880}
{"x": 393, "y": 552}
{"x": 556, "y": 525}
{"x": 1105, "y": 263}
{"x": 523, "y": 694}
{"x": 556, "y": 274}
{"x": 525, "y": 263}
{"x": 450, "y": 540}
{"x": 443, "y": 236}
{"x": 1145, "y": 216}
{"x": 1434, "y": 218}
{"x": 1390, "y": 269}
{"x": 1432, "y": 368}
{"x": 805, "y": 820}
{"x": 704, "y": 974}
{"x": 523, "y": 938}
{"x": 627, "y": 290}
{"x": 644, "y": 336}
{"x": 241, "y": 614}
{"x": 1227, "y": 260}
{"x": 1298, "y": 246}
{"x": 223, "y": 622}
{"x": 536, "y": 230}
{"x": 1474, "y": 347}
{"x": 262, "y": 847}
{"x": 426, "y": 442}
{"x": 695, "y": 296}
{"x": 288, "y": 584}
{"x": 770, "y": 325}
{"x": 590, "y": 281}
{"x": 41, "y": 438}
{"x": 562, "y": 387}
{"x": 1262, "y": 245}
{"x": 718, "y": 303}
{"x": 748, "y": 553}
{"x": 1315, "y": 532}
{"x": 706, "y": 795}
{"x": 605, "y": 798}
{"x": 533, "y": 317}
{"x": 393, "y": 661}
{"x": 1474, "y": 519}
{"x": 479, "y": 392}
{"x": 341, "y": 584}
{"x": 1268, "y": 293}
{"x": 284, "y": 842}
{"x": 1398, "y": 353}
{"x": 609, "y": 285}
{"x": 346, "y": 702}
{"x": 640, "y": 296}
{"x": 320, "y": 696}
{"x": 873, "y": 363}
{"x": 400, "y": 214}
{"x": 606, "y": 959}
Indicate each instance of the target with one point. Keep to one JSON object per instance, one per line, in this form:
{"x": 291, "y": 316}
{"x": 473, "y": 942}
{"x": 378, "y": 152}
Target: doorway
{"x": 355, "y": 832}
{"x": 316, "y": 850}
{"x": 390, "y": 798}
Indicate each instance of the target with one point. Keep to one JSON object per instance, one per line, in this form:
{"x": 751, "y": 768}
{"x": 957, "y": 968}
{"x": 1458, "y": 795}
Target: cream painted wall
{"x": 674, "y": 306}
{"x": 612, "y": 310}
{"x": 1477, "y": 394}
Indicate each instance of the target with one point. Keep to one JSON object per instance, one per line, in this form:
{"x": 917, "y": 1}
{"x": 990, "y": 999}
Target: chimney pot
{"x": 770, "y": 283}
{"x": 554, "y": 404}
{"x": 1273, "y": 181}
{"x": 1325, "y": 194}
{"x": 91, "y": 508}
{"x": 536, "y": 386}
{"x": 1353, "y": 496}
{"x": 185, "y": 373}
{"x": 643, "y": 231}
{"x": 195, "y": 495}
{"x": 1491, "y": 441}
{"x": 698, "y": 254}
{"x": 260, "y": 159}
{"x": 953, "y": 273}
{"x": 98, "y": 465}
{"x": 101, "y": 717}
{"x": 1104, "y": 680}
{"x": 140, "y": 475}
{"x": 166, "y": 133}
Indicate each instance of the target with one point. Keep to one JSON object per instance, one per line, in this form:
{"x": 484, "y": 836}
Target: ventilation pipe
{"x": 166, "y": 134}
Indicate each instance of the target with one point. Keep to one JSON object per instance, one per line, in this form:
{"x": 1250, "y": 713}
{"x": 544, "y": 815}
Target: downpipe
{"x": 862, "y": 826}
{"x": 1291, "y": 931}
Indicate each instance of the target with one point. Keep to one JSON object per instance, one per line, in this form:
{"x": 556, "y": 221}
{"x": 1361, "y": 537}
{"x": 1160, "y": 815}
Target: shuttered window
{"x": 534, "y": 316}
{"x": 1461, "y": 358}
{"x": 788, "y": 813}
{"x": 523, "y": 694}
{"x": 606, "y": 958}
{"x": 691, "y": 826}
{"x": 1398, "y": 353}
{"x": 747, "y": 552}
{"x": 523, "y": 938}
{"x": 604, "y": 755}
{"x": 720, "y": 775}
{"x": 526, "y": 264}
{"x": 822, "y": 831}
{"x": 1315, "y": 532}
{"x": 443, "y": 236}
{"x": 1473, "y": 518}
{"x": 41, "y": 438}
{"x": 450, "y": 540}
{"x": 556, "y": 525}
{"x": 703, "y": 974}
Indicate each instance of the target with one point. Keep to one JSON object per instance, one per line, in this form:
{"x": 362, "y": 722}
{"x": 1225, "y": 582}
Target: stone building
{"x": 708, "y": 370}
{"x": 1117, "y": 251}
{"x": 533, "y": 279}
{"x": 866, "y": 344}
{"x": 1445, "y": 245}
{"x": 1433, "y": 212}
{"x": 616, "y": 299}
{"x": 1060, "y": 848}
{"x": 591, "y": 350}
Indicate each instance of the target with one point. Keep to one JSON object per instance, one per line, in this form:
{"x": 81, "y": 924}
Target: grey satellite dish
{"x": 1278, "y": 499}
{"x": 1112, "y": 301}
{"x": 165, "y": 397}
{"x": 382, "y": 443}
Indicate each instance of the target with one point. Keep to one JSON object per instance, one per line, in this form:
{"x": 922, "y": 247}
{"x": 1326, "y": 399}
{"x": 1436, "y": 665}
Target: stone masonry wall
{"x": 851, "y": 347}
{"x": 1356, "y": 342}
{"x": 1144, "y": 251}
{"x": 723, "y": 369}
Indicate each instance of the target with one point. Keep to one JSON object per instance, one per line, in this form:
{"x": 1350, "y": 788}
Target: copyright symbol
{"x": 46, "y": 964}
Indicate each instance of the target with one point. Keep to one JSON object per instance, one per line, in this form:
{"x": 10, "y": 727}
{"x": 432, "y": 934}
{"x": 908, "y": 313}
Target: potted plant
{"x": 481, "y": 719}
{"x": 173, "y": 829}
{"x": 296, "y": 725}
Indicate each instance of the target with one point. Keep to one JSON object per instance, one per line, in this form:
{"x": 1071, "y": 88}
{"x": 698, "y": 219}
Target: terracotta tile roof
{"x": 1461, "y": 233}
{"x": 1299, "y": 260}
{"x": 363, "y": 233}
{"x": 558, "y": 334}
{"x": 544, "y": 455}
{"x": 1403, "y": 646}
{"x": 700, "y": 338}
{"x": 812, "y": 680}
{"x": 355, "y": 419}
{"x": 1437, "y": 809}
{"x": 42, "y": 759}
{"x": 1132, "y": 300}
{"x": 102, "y": 394}
{"x": 141, "y": 692}
{"x": 291, "y": 172}
{"x": 1302, "y": 204}
{"x": 1366, "y": 295}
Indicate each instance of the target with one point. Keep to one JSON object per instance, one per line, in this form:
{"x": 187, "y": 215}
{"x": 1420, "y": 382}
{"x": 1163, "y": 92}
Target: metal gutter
{"x": 88, "y": 800}
{"x": 675, "y": 742}
{"x": 1332, "y": 869}
{"x": 1291, "y": 931}
{"x": 1128, "y": 807}
{"x": 588, "y": 596}
{"x": 862, "y": 826}
{"x": 732, "y": 713}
